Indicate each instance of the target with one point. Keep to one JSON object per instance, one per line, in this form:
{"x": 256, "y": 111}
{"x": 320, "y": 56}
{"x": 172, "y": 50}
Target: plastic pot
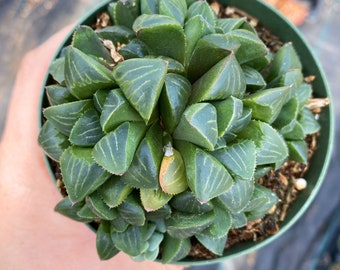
{"x": 287, "y": 32}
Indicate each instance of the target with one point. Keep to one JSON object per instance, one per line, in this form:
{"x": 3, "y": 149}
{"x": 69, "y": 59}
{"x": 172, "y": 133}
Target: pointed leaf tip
{"x": 223, "y": 80}
{"x": 141, "y": 80}
{"x": 198, "y": 125}
{"x": 115, "y": 151}
{"x": 84, "y": 75}
{"x": 162, "y": 34}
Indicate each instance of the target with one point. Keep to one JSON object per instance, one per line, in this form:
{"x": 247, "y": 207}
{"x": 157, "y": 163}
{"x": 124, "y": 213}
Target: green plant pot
{"x": 279, "y": 26}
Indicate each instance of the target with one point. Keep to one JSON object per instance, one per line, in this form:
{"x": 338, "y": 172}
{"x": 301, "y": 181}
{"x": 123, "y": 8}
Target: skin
{"x": 32, "y": 235}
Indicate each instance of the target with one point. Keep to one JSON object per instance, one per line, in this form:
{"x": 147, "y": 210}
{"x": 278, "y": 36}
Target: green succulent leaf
{"x": 286, "y": 119}
{"x": 184, "y": 225}
{"x": 190, "y": 2}
{"x": 254, "y": 78}
{"x": 237, "y": 197}
{"x": 240, "y": 123}
{"x": 149, "y": 255}
{"x": 173, "y": 66}
{"x": 64, "y": 116}
{"x": 267, "y": 104}
{"x": 131, "y": 211}
{"x": 58, "y": 94}
{"x": 119, "y": 224}
{"x": 132, "y": 241}
{"x": 203, "y": 9}
{"x": 228, "y": 111}
{"x": 239, "y": 158}
{"x": 292, "y": 78}
{"x": 215, "y": 244}
{"x": 115, "y": 151}
{"x": 100, "y": 208}
{"x": 261, "y": 196}
{"x": 238, "y": 220}
{"x": 70, "y": 209}
{"x": 124, "y": 12}
{"x": 86, "y": 213}
{"x": 57, "y": 70}
{"x": 134, "y": 49}
{"x": 303, "y": 94}
{"x": 117, "y": 110}
{"x": 173, "y": 8}
{"x": 195, "y": 28}
{"x": 308, "y": 122}
{"x": 87, "y": 41}
{"x": 220, "y": 226}
{"x": 149, "y": 6}
{"x": 162, "y": 34}
{"x": 174, "y": 249}
{"x": 81, "y": 175}
{"x": 273, "y": 148}
{"x": 84, "y": 75}
{"x": 116, "y": 33}
{"x": 144, "y": 169}
{"x": 105, "y": 247}
{"x": 114, "y": 191}
{"x": 160, "y": 223}
{"x": 230, "y": 24}
{"x": 221, "y": 143}
{"x": 298, "y": 151}
{"x": 263, "y": 199}
{"x": 186, "y": 202}
{"x": 207, "y": 177}
{"x": 159, "y": 215}
{"x": 141, "y": 81}
{"x": 294, "y": 132}
{"x": 216, "y": 46}
{"x": 87, "y": 130}
{"x": 252, "y": 47}
{"x": 223, "y": 80}
{"x": 262, "y": 170}
{"x": 52, "y": 141}
{"x": 174, "y": 97}
{"x": 154, "y": 242}
{"x": 260, "y": 63}
{"x": 151, "y": 229}
{"x": 270, "y": 146}
{"x": 198, "y": 125}
{"x": 284, "y": 60}
{"x": 99, "y": 99}
{"x": 154, "y": 199}
{"x": 172, "y": 176}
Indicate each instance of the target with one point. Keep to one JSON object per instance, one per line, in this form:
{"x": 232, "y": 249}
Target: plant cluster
{"x": 163, "y": 121}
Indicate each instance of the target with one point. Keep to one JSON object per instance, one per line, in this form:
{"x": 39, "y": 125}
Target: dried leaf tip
{"x": 168, "y": 150}
{"x": 315, "y": 103}
{"x": 115, "y": 55}
{"x": 216, "y": 7}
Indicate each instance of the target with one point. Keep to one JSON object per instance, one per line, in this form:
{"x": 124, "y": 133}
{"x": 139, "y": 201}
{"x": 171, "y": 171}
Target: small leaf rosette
{"x": 163, "y": 121}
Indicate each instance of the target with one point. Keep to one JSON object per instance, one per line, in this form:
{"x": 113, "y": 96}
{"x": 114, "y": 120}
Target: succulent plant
{"x": 162, "y": 123}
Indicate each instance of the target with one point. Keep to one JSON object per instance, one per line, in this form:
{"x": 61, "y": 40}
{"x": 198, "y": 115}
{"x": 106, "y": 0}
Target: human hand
{"x": 32, "y": 235}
